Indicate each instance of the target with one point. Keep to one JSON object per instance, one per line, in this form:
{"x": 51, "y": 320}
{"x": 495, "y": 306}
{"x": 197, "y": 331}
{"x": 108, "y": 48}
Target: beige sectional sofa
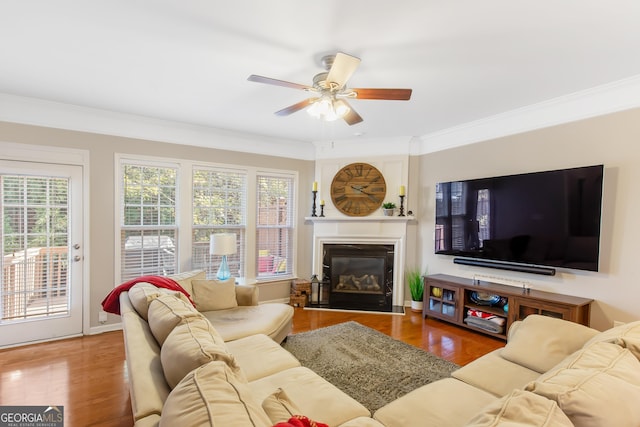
{"x": 184, "y": 371}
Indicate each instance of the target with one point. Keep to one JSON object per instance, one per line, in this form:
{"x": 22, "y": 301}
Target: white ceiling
{"x": 187, "y": 61}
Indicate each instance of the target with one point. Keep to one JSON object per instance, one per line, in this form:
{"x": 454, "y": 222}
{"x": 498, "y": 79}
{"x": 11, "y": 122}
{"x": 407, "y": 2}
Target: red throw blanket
{"x": 111, "y": 303}
{"x": 300, "y": 421}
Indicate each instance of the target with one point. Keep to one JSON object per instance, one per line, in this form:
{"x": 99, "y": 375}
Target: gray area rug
{"x": 366, "y": 364}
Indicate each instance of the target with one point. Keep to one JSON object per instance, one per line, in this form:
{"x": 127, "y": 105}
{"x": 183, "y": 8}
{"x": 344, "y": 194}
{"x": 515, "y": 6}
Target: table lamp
{"x": 223, "y": 244}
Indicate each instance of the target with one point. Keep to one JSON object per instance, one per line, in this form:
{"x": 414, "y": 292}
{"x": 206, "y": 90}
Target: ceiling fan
{"x": 332, "y": 92}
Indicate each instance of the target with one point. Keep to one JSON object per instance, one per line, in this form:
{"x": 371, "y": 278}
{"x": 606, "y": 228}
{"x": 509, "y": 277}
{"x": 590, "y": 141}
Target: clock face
{"x": 358, "y": 189}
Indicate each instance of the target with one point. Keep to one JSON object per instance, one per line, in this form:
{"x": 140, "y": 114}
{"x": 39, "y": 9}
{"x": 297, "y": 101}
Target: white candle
{"x": 315, "y": 185}
{"x": 402, "y": 190}
{"x": 322, "y": 202}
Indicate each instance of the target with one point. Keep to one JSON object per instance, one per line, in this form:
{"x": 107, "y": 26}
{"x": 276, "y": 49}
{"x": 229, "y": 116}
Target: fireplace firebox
{"x": 358, "y": 276}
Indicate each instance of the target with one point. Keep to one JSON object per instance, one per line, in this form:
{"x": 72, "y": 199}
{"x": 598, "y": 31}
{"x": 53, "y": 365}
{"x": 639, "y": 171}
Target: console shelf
{"x": 452, "y": 299}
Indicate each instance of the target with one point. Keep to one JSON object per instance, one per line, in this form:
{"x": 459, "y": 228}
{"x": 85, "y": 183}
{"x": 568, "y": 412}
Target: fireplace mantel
{"x": 315, "y": 219}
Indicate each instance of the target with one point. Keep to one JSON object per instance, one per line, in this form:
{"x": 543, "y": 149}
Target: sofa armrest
{"x": 247, "y": 294}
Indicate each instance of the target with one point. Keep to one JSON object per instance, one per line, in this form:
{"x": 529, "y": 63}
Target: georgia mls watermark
{"x": 31, "y": 416}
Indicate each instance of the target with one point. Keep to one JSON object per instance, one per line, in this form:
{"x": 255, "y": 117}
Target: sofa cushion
{"x": 279, "y": 407}
{"x": 259, "y": 356}
{"x": 191, "y": 344}
{"x": 316, "y": 398}
{"x": 494, "y": 374}
{"x": 212, "y": 395}
{"x": 273, "y": 320}
{"x": 214, "y": 294}
{"x": 521, "y": 408}
{"x": 443, "y": 403}
{"x": 141, "y": 294}
{"x": 184, "y": 279}
{"x": 590, "y": 389}
{"x": 606, "y": 357}
{"x": 167, "y": 311}
{"x": 362, "y": 422}
{"x": 627, "y": 336}
{"x": 541, "y": 342}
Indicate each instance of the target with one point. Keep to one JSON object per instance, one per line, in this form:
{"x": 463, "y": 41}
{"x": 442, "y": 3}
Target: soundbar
{"x": 546, "y": 271}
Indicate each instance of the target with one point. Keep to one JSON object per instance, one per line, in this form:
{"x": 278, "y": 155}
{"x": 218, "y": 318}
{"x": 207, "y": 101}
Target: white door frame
{"x": 63, "y": 156}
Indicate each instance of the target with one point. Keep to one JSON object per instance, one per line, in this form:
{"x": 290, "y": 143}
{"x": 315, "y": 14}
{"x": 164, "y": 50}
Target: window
{"x": 34, "y": 235}
{"x": 169, "y": 209}
{"x": 148, "y": 232}
{"x": 219, "y": 206}
{"x": 274, "y": 225}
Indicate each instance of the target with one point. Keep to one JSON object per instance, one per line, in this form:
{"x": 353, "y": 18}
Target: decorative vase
{"x": 388, "y": 212}
{"x": 416, "y": 306}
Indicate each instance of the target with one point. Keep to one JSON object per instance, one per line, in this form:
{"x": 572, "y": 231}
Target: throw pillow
{"x": 212, "y": 395}
{"x": 627, "y": 336}
{"x": 541, "y": 342}
{"x": 279, "y": 407}
{"x": 184, "y": 279}
{"x": 211, "y": 295}
{"x": 521, "y": 408}
{"x": 591, "y": 397}
{"x": 302, "y": 421}
{"x": 141, "y": 294}
{"x": 191, "y": 344}
{"x": 603, "y": 356}
{"x": 167, "y": 311}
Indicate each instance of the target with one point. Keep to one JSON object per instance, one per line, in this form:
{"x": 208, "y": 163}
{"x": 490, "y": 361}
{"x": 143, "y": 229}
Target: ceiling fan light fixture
{"x": 328, "y": 109}
{"x": 341, "y": 108}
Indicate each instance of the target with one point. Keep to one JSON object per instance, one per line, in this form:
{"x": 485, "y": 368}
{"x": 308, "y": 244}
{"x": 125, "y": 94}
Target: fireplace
{"x": 359, "y": 276}
{"x": 376, "y": 245}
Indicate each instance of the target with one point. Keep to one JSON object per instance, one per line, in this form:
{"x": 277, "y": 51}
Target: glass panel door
{"x": 41, "y": 250}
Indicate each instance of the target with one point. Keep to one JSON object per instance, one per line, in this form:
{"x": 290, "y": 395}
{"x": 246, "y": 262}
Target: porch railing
{"x": 31, "y": 277}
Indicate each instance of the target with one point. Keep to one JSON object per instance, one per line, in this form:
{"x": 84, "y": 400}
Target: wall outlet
{"x": 102, "y": 316}
{"x": 618, "y": 323}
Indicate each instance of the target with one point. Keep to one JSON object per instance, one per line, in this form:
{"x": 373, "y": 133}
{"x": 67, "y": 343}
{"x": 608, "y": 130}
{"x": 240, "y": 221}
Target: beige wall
{"x": 612, "y": 140}
{"x": 102, "y": 149}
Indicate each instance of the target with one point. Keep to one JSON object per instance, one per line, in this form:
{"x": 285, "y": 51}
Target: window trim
{"x": 184, "y": 220}
{"x": 293, "y": 175}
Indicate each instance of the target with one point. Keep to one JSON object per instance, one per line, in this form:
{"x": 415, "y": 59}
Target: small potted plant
{"x": 388, "y": 208}
{"x": 416, "y": 287}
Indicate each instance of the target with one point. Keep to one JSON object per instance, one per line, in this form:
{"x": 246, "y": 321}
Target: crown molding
{"x": 38, "y": 112}
{"x": 605, "y": 99}
{"x": 375, "y": 147}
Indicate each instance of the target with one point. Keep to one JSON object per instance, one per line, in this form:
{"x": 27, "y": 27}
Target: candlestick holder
{"x": 313, "y": 208}
{"x": 401, "y": 206}
{"x": 322, "y": 210}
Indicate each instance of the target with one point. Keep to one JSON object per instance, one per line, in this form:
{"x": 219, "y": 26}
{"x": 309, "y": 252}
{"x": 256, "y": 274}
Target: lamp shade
{"x": 222, "y": 244}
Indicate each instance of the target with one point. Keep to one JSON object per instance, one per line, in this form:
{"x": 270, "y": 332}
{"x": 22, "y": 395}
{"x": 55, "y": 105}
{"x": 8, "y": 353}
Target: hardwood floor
{"x": 88, "y": 375}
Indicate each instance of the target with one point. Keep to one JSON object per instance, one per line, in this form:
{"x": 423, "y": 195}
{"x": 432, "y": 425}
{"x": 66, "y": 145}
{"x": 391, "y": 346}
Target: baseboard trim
{"x": 95, "y": 330}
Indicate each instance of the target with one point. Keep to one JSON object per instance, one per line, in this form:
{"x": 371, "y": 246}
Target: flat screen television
{"x": 549, "y": 218}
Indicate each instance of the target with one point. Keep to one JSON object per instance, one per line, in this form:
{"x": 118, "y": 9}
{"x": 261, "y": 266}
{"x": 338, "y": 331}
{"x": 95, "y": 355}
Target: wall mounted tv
{"x": 549, "y": 219}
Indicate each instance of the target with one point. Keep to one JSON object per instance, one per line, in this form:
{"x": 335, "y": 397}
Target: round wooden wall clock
{"x": 358, "y": 189}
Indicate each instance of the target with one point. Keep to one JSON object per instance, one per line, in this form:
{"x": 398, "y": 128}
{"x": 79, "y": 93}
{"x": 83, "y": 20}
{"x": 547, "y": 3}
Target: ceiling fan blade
{"x": 296, "y": 107}
{"x": 343, "y": 67}
{"x": 391, "y": 94}
{"x": 276, "y": 82}
{"x": 351, "y": 117}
